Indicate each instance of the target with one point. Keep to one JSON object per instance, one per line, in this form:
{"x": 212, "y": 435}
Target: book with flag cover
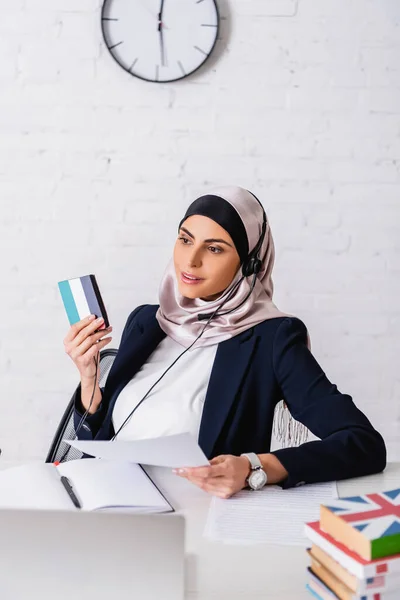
{"x": 332, "y": 582}
{"x": 350, "y": 560}
{"x": 379, "y": 583}
{"x": 342, "y": 591}
{"x": 322, "y": 592}
{"x": 369, "y": 524}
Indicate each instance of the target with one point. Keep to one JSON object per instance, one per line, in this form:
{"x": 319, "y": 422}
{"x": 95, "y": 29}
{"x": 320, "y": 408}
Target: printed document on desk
{"x": 270, "y": 516}
{"x": 171, "y": 451}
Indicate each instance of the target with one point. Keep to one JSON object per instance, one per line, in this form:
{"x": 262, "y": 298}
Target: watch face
{"x": 257, "y": 479}
{"x": 160, "y": 40}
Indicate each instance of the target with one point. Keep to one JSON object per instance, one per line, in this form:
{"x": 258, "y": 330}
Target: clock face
{"x": 160, "y": 40}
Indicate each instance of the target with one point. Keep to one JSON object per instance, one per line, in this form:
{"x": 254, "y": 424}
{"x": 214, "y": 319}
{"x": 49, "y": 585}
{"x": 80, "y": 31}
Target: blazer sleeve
{"x": 349, "y": 445}
{"x": 93, "y": 422}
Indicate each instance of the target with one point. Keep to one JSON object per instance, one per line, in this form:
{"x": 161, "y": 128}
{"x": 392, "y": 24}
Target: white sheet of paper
{"x": 272, "y": 515}
{"x": 105, "y": 483}
{"x": 33, "y": 486}
{"x": 172, "y": 451}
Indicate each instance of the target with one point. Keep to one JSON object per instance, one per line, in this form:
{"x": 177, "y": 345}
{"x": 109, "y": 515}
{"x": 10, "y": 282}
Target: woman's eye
{"x": 213, "y": 249}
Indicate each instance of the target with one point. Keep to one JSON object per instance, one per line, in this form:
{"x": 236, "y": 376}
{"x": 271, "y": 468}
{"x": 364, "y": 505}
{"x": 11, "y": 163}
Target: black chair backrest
{"x": 66, "y": 430}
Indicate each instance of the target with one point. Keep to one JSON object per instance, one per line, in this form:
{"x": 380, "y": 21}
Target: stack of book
{"x": 355, "y": 551}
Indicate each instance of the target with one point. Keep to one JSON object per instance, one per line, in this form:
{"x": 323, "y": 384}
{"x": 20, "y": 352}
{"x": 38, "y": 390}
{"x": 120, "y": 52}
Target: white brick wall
{"x": 301, "y": 103}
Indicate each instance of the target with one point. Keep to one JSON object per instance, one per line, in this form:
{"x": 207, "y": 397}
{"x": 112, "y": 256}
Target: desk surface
{"x": 220, "y": 571}
{"x": 217, "y": 571}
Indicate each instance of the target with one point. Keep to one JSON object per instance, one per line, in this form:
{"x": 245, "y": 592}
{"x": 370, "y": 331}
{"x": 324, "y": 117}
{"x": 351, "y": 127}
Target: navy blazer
{"x": 251, "y": 373}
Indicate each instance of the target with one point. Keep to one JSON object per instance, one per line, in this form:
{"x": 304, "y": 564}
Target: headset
{"x": 250, "y": 267}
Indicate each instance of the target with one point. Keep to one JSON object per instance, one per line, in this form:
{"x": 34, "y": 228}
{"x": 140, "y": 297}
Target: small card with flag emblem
{"x": 81, "y": 297}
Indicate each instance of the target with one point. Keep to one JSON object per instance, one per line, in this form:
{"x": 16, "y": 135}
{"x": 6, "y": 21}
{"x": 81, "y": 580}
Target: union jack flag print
{"x": 375, "y": 515}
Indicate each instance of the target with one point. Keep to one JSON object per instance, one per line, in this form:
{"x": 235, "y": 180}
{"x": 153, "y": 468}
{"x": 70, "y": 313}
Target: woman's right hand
{"x": 83, "y": 345}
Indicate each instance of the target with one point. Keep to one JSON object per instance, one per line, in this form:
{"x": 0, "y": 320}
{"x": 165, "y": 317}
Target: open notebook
{"x": 87, "y": 484}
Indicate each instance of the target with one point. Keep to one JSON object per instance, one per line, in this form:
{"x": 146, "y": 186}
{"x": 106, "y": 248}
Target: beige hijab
{"x": 178, "y": 315}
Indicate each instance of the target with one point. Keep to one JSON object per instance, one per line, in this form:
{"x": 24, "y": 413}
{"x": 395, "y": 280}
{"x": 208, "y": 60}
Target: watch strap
{"x": 253, "y": 459}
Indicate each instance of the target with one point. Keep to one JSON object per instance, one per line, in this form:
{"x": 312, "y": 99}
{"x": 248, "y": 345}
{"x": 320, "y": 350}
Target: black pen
{"x": 66, "y": 483}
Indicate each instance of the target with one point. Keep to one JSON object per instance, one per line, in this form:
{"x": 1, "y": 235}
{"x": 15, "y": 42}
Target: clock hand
{"x": 161, "y": 32}
{"x": 160, "y": 15}
{"x": 150, "y": 11}
{"x": 162, "y": 49}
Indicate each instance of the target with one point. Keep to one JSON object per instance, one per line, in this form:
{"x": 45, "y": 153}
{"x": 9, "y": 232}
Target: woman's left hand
{"x": 225, "y": 476}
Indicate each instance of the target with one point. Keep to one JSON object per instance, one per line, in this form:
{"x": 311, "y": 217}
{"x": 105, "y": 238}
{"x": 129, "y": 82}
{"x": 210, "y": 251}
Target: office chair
{"x": 65, "y": 429}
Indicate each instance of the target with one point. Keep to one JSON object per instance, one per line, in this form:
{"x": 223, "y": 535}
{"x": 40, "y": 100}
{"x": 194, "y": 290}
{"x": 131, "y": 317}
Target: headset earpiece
{"x": 251, "y": 267}
{"x": 253, "y": 264}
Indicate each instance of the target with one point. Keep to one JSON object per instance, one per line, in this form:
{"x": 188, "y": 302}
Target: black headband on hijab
{"x": 223, "y": 213}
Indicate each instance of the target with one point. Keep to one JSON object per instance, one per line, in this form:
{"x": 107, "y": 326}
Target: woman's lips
{"x": 190, "y": 281}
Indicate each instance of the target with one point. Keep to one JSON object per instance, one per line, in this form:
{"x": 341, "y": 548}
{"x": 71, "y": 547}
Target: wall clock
{"x": 160, "y": 40}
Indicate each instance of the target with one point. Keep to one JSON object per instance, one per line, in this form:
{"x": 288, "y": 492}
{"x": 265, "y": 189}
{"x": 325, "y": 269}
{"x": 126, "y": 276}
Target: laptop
{"x": 60, "y": 555}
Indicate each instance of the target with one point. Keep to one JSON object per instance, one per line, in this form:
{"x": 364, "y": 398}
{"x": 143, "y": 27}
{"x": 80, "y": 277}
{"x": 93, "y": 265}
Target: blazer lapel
{"x": 230, "y": 365}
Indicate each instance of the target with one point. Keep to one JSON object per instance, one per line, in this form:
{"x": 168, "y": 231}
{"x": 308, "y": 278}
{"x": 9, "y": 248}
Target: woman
{"x": 215, "y": 358}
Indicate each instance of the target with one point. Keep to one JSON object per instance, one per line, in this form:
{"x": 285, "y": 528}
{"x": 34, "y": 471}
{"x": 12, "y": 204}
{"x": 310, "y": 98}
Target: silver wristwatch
{"x": 258, "y": 477}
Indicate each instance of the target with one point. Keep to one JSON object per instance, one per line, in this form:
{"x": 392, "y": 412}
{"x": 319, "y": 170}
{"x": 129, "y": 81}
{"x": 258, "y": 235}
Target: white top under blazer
{"x": 176, "y": 403}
